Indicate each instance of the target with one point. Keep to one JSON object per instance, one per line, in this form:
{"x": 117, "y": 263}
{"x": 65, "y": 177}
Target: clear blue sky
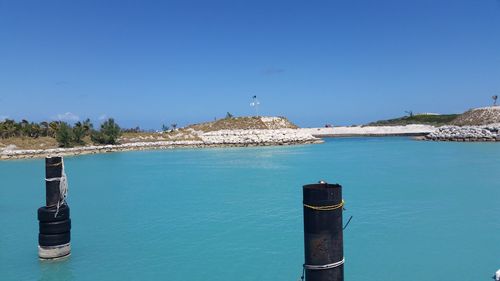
{"x": 337, "y": 61}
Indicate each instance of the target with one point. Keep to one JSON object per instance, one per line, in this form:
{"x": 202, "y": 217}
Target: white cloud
{"x": 103, "y": 117}
{"x": 68, "y": 116}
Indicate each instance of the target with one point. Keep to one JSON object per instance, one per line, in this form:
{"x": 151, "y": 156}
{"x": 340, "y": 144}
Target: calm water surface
{"x": 422, "y": 211}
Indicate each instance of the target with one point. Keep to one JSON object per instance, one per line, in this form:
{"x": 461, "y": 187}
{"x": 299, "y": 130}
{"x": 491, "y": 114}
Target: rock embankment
{"x": 225, "y": 138}
{"x": 488, "y": 133}
{"x": 245, "y": 123}
{"x": 259, "y": 137}
{"x": 478, "y": 117}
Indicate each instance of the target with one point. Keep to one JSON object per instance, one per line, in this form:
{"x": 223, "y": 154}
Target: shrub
{"x": 64, "y": 135}
{"x": 79, "y": 133}
{"x": 108, "y": 134}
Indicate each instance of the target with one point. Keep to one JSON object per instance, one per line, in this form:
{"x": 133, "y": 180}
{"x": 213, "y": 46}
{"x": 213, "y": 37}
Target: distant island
{"x": 31, "y": 140}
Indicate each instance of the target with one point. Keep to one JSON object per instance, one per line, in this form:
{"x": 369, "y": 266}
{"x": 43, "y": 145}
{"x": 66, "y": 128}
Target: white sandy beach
{"x": 371, "y": 130}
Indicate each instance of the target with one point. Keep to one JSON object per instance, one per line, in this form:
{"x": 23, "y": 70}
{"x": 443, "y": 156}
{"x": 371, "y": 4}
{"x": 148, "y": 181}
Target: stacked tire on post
{"x": 54, "y": 230}
{"x": 54, "y": 223}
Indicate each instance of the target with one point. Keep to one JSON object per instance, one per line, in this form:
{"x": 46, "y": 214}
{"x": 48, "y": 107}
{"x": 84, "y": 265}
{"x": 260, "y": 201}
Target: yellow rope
{"x": 326, "y": 208}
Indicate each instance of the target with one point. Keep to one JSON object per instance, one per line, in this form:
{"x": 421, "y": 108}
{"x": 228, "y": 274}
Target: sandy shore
{"x": 408, "y": 130}
{"x": 229, "y": 138}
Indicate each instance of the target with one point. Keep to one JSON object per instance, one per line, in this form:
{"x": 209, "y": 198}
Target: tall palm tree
{"x": 53, "y": 128}
{"x": 78, "y": 133}
{"x": 44, "y": 129}
{"x": 24, "y": 128}
{"x": 34, "y": 130}
{"x": 87, "y": 126}
{"x": 10, "y": 128}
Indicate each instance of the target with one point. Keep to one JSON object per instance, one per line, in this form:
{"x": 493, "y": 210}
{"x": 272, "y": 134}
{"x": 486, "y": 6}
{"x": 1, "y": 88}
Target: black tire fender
{"x": 48, "y": 214}
{"x": 55, "y": 227}
{"x": 54, "y": 239}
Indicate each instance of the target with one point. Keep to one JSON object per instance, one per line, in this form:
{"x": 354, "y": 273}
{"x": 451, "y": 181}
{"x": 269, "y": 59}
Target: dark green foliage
{"x": 64, "y": 135}
{"x": 87, "y": 126}
{"x": 436, "y": 120}
{"x": 137, "y": 129}
{"x": 78, "y": 133}
{"x": 10, "y": 128}
{"x": 108, "y": 134}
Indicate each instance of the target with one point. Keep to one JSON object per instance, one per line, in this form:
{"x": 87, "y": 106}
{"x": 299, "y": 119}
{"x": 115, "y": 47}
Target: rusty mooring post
{"x": 323, "y": 233}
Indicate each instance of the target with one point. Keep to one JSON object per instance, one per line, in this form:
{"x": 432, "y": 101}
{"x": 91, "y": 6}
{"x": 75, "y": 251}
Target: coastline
{"x": 230, "y": 138}
{"x": 76, "y": 151}
{"x": 226, "y": 138}
{"x": 371, "y": 131}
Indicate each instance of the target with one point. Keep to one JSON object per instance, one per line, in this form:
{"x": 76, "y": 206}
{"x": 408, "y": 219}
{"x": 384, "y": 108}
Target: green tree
{"x": 108, "y": 134}
{"x": 44, "y": 129}
{"x": 87, "y": 126}
{"x": 35, "y": 130}
{"x": 9, "y": 128}
{"x": 24, "y": 128}
{"x": 78, "y": 133}
{"x": 53, "y": 128}
{"x": 165, "y": 128}
{"x": 229, "y": 115}
{"x": 64, "y": 135}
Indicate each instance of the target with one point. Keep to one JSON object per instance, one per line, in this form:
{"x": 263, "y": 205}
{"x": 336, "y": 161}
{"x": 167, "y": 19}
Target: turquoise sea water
{"x": 422, "y": 211}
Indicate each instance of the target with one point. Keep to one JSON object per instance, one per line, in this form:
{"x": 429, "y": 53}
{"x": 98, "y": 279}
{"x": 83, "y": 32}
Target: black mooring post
{"x": 53, "y": 170}
{"x": 54, "y": 234}
{"x": 323, "y": 233}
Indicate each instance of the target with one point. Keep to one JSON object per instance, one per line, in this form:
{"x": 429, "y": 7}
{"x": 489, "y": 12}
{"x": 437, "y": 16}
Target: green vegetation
{"x": 10, "y": 128}
{"x": 64, "y": 135}
{"x": 436, "y": 120}
{"x": 81, "y": 130}
{"x": 21, "y": 133}
{"x": 108, "y": 134}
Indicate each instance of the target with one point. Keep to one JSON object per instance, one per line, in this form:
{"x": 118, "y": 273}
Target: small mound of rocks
{"x": 467, "y": 133}
{"x": 478, "y": 117}
{"x": 259, "y": 137}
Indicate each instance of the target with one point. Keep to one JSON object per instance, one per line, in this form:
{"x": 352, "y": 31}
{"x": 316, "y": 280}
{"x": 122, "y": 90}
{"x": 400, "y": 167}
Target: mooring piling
{"x": 53, "y": 174}
{"x": 323, "y": 232}
{"x": 54, "y": 220}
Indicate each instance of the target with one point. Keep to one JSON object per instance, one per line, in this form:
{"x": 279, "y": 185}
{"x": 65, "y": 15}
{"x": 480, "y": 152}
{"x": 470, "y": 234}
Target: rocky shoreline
{"x": 488, "y": 133}
{"x": 268, "y": 137}
{"x": 226, "y": 138}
